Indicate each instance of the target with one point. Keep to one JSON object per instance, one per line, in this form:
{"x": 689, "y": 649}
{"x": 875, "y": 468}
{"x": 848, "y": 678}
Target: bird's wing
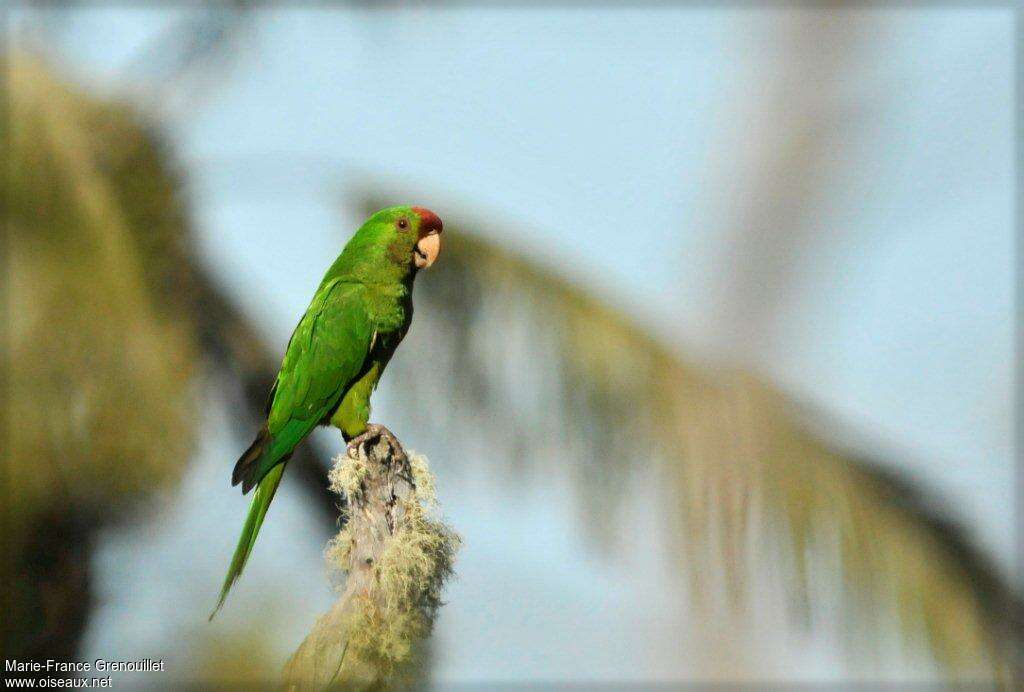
{"x": 327, "y": 351}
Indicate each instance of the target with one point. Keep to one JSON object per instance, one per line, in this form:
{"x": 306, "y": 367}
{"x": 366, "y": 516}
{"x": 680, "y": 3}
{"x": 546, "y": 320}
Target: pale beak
{"x": 427, "y": 249}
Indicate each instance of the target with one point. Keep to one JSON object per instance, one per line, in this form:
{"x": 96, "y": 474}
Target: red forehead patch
{"x": 429, "y": 221}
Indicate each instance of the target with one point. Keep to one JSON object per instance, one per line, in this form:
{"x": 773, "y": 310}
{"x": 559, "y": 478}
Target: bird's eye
{"x": 403, "y": 223}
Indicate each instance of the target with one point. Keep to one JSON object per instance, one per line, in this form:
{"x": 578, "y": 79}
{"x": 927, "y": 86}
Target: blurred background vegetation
{"x": 617, "y": 463}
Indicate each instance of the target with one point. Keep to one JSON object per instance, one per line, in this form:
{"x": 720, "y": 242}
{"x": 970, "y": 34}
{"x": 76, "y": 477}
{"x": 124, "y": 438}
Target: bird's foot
{"x": 373, "y": 431}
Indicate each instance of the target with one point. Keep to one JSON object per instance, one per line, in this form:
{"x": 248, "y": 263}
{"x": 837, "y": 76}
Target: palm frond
{"x": 101, "y": 383}
{"x": 98, "y": 399}
{"x": 558, "y": 377}
{"x": 109, "y": 314}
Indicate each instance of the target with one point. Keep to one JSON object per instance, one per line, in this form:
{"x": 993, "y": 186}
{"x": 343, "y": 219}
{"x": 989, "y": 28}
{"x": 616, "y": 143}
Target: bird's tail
{"x": 261, "y": 500}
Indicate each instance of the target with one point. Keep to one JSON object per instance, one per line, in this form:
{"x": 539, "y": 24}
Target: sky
{"x": 620, "y": 144}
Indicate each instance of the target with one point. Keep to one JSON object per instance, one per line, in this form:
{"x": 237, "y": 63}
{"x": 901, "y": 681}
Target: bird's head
{"x": 412, "y": 234}
{"x": 395, "y": 242}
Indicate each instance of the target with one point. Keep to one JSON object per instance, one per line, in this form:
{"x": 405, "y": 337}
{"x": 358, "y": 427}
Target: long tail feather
{"x": 247, "y": 467}
{"x": 261, "y": 500}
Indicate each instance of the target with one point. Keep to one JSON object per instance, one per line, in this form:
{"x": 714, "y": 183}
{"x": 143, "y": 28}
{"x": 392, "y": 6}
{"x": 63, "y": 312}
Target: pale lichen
{"x": 395, "y": 557}
{"x": 384, "y": 630}
{"x": 347, "y": 476}
{"x": 338, "y": 552}
{"x": 426, "y": 488}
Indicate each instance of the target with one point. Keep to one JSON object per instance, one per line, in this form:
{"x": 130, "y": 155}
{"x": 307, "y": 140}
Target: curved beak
{"x": 427, "y": 249}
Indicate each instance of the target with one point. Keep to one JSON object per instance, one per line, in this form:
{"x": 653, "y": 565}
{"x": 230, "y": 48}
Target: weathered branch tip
{"x": 396, "y": 558}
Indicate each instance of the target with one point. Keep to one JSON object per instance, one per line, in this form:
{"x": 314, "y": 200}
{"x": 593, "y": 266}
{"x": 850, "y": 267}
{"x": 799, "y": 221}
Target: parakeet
{"x": 337, "y": 353}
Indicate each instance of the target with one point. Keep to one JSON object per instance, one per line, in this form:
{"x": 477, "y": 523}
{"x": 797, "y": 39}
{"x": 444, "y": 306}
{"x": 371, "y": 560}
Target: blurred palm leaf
{"x": 92, "y": 341}
{"x": 98, "y": 400}
{"x": 555, "y": 376}
{"x": 110, "y": 315}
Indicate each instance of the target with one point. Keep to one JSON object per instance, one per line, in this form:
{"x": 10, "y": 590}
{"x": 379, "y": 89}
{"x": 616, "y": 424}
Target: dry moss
{"x": 373, "y": 634}
{"x": 338, "y": 553}
{"x": 347, "y": 477}
{"x": 385, "y": 630}
{"x": 426, "y": 488}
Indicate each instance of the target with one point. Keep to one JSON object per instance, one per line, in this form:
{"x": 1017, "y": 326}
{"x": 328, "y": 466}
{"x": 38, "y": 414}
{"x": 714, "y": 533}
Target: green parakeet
{"x": 337, "y": 353}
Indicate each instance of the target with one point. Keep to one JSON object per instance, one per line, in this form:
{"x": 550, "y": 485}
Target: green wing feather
{"x": 327, "y": 352}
